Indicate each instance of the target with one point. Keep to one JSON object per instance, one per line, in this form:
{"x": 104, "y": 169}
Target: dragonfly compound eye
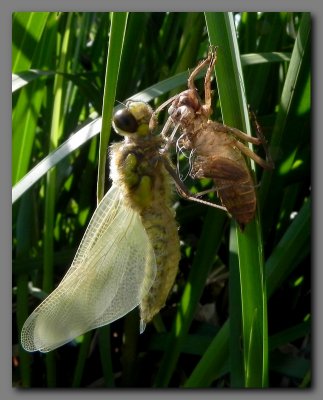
{"x": 124, "y": 121}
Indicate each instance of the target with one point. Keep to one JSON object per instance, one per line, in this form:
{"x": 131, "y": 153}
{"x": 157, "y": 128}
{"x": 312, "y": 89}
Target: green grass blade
{"x": 253, "y": 290}
{"x": 263, "y": 58}
{"x": 116, "y": 39}
{"x": 237, "y": 375}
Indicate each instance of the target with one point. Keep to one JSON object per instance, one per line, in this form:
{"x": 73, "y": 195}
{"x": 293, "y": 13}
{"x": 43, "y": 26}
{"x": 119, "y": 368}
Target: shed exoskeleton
{"x": 219, "y": 151}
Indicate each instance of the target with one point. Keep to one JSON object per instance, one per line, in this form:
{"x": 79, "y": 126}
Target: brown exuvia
{"x": 218, "y": 149}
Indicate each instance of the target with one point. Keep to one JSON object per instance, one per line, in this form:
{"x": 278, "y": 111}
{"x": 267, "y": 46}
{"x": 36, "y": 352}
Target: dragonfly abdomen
{"x": 162, "y": 230}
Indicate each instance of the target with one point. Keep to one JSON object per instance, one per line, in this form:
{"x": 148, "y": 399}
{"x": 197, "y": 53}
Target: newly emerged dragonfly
{"x": 218, "y": 149}
{"x": 130, "y": 251}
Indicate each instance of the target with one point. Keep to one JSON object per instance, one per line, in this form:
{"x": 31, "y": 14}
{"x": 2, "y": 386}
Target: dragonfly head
{"x": 133, "y": 119}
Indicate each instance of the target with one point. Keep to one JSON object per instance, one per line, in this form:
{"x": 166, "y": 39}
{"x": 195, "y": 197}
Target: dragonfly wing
{"x": 103, "y": 283}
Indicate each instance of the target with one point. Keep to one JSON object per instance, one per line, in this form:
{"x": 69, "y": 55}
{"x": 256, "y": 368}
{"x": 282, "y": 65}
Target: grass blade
{"x": 117, "y": 32}
{"x": 250, "y": 255}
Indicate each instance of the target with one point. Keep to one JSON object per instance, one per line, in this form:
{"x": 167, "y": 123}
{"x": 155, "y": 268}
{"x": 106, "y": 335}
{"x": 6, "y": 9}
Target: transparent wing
{"x": 103, "y": 283}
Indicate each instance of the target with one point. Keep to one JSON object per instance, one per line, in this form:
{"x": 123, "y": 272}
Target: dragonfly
{"x": 218, "y": 150}
{"x": 130, "y": 251}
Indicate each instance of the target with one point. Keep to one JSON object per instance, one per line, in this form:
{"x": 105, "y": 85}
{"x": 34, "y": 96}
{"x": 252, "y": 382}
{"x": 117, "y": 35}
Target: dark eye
{"x": 125, "y": 121}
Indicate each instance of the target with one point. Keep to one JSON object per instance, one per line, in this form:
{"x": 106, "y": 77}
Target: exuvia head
{"x": 185, "y": 106}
